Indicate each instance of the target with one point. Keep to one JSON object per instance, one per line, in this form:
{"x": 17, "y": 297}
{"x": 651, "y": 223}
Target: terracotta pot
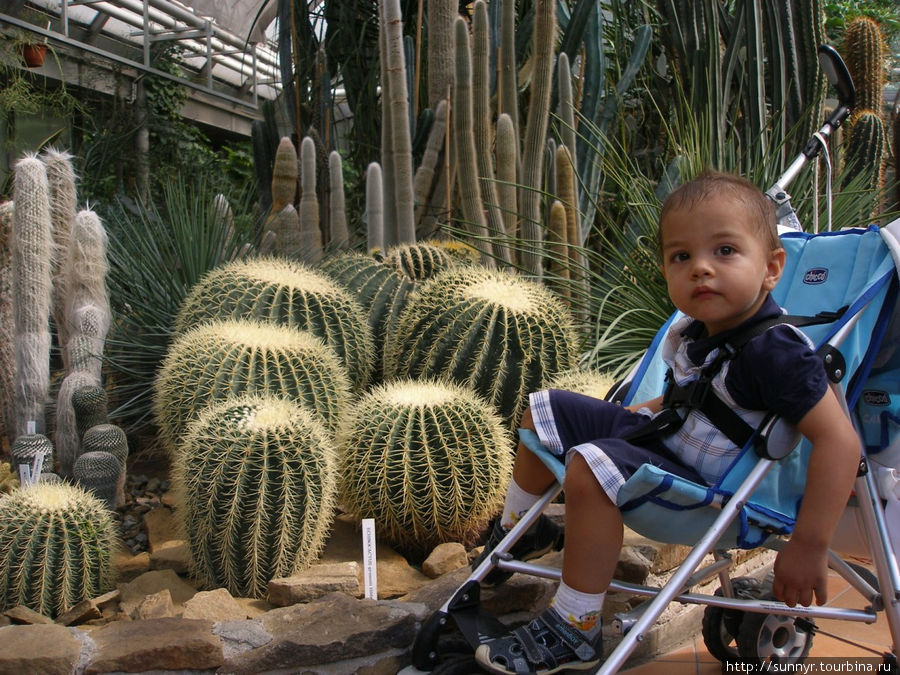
{"x": 34, "y": 54}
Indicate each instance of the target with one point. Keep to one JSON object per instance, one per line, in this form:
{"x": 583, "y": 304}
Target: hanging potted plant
{"x": 34, "y": 50}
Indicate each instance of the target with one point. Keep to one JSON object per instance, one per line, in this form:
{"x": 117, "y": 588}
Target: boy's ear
{"x": 774, "y": 268}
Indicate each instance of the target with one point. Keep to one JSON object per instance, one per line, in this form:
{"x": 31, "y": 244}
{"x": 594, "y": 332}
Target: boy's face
{"x": 717, "y": 265}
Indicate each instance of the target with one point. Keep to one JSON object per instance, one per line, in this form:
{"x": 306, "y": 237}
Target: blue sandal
{"x": 546, "y": 644}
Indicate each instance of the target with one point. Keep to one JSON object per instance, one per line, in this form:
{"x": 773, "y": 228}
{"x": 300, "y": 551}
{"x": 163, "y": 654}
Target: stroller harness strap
{"x": 698, "y": 394}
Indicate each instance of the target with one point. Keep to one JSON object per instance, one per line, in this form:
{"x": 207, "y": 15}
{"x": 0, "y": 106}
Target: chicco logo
{"x": 875, "y": 397}
{"x": 817, "y": 275}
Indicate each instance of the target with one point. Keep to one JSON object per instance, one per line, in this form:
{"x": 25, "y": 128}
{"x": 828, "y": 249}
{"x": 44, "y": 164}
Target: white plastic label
{"x": 37, "y": 466}
{"x": 30, "y": 427}
{"x": 24, "y": 475}
{"x": 370, "y": 575}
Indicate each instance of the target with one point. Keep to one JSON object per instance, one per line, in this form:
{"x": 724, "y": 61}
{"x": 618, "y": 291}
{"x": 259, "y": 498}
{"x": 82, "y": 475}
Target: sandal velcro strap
{"x": 571, "y": 637}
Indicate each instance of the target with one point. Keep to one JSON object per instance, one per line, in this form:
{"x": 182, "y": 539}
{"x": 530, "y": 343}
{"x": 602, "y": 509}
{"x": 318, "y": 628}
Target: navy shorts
{"x": 568, "y": 422}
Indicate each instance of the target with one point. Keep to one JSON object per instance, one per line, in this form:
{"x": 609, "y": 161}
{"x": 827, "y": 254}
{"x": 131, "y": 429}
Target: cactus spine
{"x": 220, "y": 359}
{"x": 7, "y": 340}
{"x": 32, "y": 246}
{"x": 56, "y": 548}
{"x": 258, "y": 480}
{"x": 288, "y": 293}
{"x": 428, "y": 460}
{"x": 495, "y": 331}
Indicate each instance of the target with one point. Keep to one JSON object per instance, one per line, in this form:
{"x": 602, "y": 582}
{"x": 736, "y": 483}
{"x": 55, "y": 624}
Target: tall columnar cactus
{"x": 865, "y": 148}
{"x": 374, "y": 209}
{"x": 310, "y": 234}
{"x": 57, "y": 543}
{"x": 283, "y": 220}
{"x": 67, "y": 438}
{"x": 864, "y": 52}
{"x": 258, "y": 480}
{"x": 7, "y": 342}
{"x": 221, "y": 359}
{"x": 61, "y": 182}
{"x": 496, "y": 331}
{"x": 428, "y": 460}
{"x": 430, "y": 170}
{"x": 507, "y": 168}
{"x": 98, "y": 472}
{"x": 288, "y": 293}
{"x": 337, "y": 211}
{"x": 32, "y": 247}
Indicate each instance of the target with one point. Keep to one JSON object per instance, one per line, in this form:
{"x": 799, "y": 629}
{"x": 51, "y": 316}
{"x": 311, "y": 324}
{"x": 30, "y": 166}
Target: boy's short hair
{"x": 709, "y": 182}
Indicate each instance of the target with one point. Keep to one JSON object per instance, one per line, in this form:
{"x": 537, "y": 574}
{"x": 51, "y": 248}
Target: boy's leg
{"x": 567, "y": 636}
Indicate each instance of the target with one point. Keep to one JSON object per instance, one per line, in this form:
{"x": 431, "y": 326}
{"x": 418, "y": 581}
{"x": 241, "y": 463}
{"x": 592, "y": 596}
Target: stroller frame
{"x": 463, "y": 606}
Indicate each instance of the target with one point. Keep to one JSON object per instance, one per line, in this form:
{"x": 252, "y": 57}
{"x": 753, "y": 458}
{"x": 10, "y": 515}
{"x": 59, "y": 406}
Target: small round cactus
{"x": 429, "y": 461}
{"x": 26, "y": 448}
{"x": 258, "y": 479}
{"x": 221, "y": 359}
{"x": 288, "y": 293}
{"x": 106, "y": 438}
{"x": 419, "y": 261}
{"x": 56, "y": 547}
{"x": 497, "y": 332}
{"x": 98, "y": 471}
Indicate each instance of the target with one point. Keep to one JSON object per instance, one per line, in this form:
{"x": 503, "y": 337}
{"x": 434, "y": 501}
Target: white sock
{"x": 517, "y": 503}
{"x": 581, "y": 610}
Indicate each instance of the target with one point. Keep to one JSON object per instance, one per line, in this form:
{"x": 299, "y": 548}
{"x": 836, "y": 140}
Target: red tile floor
{"x": 694, "y": 659}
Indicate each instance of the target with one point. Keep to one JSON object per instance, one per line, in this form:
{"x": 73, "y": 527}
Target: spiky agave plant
{"x": 258, "y": 479}
{"x": 221, "y": 359}
{"x": 56, "y": 547}
{"x": 428, "y": 460}
{"x": 289, "y": 293}
{"x": 495, "y": 331}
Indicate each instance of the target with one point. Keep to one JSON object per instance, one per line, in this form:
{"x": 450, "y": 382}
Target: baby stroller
{"x": 842, "y": 289}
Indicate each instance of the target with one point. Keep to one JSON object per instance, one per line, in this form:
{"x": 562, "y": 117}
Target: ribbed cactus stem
{"x": 284, "y": 175}
{"x": 25, "y": 450}
{"x": 398, "y": 104}
{"x": 482, "y": 117}
{"x": 98, "y": 472}
{"x": 374, "y": 209}
{"x": 466, "y": 154}
{"x": 866, "y": 145}
{"x": 337, "y": 210}
{"x": 90, "y": 405}
{"x": 259, "y": 479}
{"x": 543, "y": 45}
{"x": 566, "y": 104}
{"x": 310, "y": 234}
{"x": 508, "y": 78}
{"x": 864, "y": 52}
{"x": 32, "y": 247}
{"x": 557, "y": 249}
{"x": 507, "y": 161}
{"x": 429, "y": 168}
{"x": 429, "y": 461}
{"x": 112, "y": 439}
{"x": 61, "y": 183}
{"x": 7, "y": 339}
{"x": 56, "y": 548}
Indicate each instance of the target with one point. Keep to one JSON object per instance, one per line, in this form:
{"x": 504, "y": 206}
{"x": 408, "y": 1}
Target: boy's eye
{"x": 726, "y": 250}
{"x": 681, "y": 256}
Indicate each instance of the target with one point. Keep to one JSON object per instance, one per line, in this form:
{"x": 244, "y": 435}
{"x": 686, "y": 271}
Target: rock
{"x": 86, "y": 610}
{"x": 333, "y": 628}
{"x": 129, "y": 566}
{"x": 23, "y": 614}
{"x": 172, "y": 555}
{"x": 161, "y": 528}
{"x": 216, "y": 605}
{"x": 155, "y": 644}
{"x": 154, "y": 606}
{"x": 132, "y": 593}
{"x": 632, "y": 565}
{"x": 445, "y": 558}
{"x": 46, "y": 649}
{"x": 240, "y": 636}
{"x": 315, "y": 582}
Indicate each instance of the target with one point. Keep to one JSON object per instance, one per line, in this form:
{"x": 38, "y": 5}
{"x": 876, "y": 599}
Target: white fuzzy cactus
{"x": 32, "y": 246}
{"x": 7, "y": 353}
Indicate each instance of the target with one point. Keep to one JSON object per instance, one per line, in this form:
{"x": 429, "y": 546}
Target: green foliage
{"x": 56, "y": 548}
{"x": 428, "y": 460}
{"x": 258, "y": 479}
{"x": 157, "y": 252}
{"x": 494, "y": 331}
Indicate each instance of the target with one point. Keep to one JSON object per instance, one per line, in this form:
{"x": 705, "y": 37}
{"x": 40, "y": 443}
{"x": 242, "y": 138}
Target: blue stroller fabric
{"x": 823, "y": 272}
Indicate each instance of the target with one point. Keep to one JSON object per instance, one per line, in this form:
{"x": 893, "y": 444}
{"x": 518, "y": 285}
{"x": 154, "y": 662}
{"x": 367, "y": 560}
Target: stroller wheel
{"x": 720, "y": 625}
{"x": 765, "y": 638}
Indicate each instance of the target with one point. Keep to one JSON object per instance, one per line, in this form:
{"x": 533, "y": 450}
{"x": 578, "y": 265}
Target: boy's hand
{"x": 801, "y": 570}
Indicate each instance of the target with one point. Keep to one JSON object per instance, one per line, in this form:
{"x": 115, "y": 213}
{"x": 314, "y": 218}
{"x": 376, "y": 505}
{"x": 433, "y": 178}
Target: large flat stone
{"x": 45, "y": 648}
